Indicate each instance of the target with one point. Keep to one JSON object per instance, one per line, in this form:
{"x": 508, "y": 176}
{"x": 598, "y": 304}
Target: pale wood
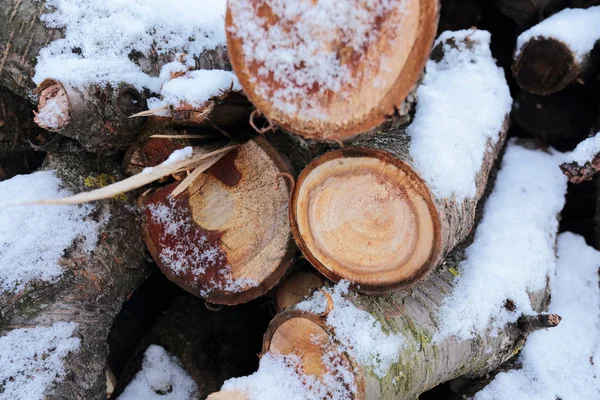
{"x": 240, "y": 206}
{"x": 394, "y": 61}
{"x": 296, "y": 287}
{"x": 227, "y": 395}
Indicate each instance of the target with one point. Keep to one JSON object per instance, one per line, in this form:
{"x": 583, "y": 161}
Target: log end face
{"x": 347, "y": 79}
{"x": 362, "y": 215}
{"x": 54, "y": 107}
{"x": 544, "y": 66}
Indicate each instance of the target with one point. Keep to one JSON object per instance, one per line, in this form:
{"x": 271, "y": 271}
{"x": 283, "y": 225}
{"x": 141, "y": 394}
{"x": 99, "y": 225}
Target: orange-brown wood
{"x": 296, "y": 287}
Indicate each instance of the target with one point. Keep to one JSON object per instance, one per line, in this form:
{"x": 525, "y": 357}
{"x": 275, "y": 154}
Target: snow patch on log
{"x": 33, "y": 238}
{"x": 358, "y": 332}
{"x": 195, "y": 88}
{"x": 575, "y": 27}
{"x": 296, "y": 60}
{"x": 561, "y": 362}
{"x": 513, "y": 249}
{"x": 161, "y": 378}
{"x": 585, "y": 151}
{"x": 281, "y": 377}
{"x": 462, "y": 104}
{"x": 31, "y": 359}
{"x": 101, "y": 36}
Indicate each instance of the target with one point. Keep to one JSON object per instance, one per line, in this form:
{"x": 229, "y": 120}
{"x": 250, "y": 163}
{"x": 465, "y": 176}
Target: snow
{"x": 577, "y": 28}
{"x": 99, "y": 36}
{"x": 281, "y": 377}
{"x": 357, "y": 331}
{"x": 31, "y": 359}
{"x": 33, "y": 238}
{"x": 585, "y": 151}
{"x": 51, "y": 114}
{"x": 161, "y": 378}
{"x": 179, "y": 155}
{"x": 195, "y": 255}
{"x": 196, "y": 87}
{"x": 561, "y": 362}
{"x": 461, "y": 108}
{"x": 513, "y": 249}
{"x": 291, "y": 58}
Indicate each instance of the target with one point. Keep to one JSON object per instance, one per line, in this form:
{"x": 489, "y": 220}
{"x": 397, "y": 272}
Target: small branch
{"x": 531, "y": 323}
{"x": 579, "y": 173}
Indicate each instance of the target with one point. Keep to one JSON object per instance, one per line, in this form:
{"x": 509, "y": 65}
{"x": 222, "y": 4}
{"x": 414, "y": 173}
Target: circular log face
{"x": 227, "y": 237}
{"x": 329, "y": 69}
{"x": 362, "y": 215}
{"x": 297, "y": 287}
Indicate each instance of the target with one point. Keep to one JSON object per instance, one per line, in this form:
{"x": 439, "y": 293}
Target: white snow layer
{"x": 562, "y": 362}
{"x": 357, "y": 331}
{"x": 289, "y": 46}
{"x": 31, "y": 359}
{"x": 101, "y": 34}
{"x": 161, "y": 378}
{"x": 576, "y": 27}
{"x": 195, "y": 88}
{"x": 513, "y": 249}
{"x": 585, "y": 150}
{"x": 33, "y": 238}
{"x": 462, "y": 104}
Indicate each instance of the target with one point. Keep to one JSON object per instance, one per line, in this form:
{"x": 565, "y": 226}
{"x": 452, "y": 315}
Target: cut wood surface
{"x": 296, "y": 287}
{"x": 340, "y": 69}
{"x": 227, "y": 237}
{"x": 548, "y": 57}
{"x": 91, "y": 289}
{"x": 365, "y": 213}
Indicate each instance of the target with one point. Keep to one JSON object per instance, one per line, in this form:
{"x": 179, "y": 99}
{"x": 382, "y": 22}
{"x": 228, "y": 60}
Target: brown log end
{"x": 363, "y": 215}
{"x": 297, "y": 287}
{"x": 307, "y": 336}
{"x": 545, "y": 66}
{"x": 578, "y": 173}
{"x": 375, "y": 62}
{"x": 227, "y": 237}
{"x": 54, "y": 107}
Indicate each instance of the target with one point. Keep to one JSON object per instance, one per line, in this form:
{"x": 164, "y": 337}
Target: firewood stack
{"x": 356, "y": 168}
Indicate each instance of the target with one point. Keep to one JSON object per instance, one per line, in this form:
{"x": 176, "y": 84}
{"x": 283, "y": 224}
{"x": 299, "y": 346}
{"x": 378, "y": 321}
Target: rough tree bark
{"x": 16, "y": 123}
{"x": 375, "y": 77}
{"x": 227, "y": 237}
{"x": 92, "y": 288}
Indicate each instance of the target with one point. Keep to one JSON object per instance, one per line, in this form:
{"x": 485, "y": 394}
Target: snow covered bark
{"x": 66, "y": 272}
{"x": 399, "y": 345}
{"x": 330, "y": 70}
{"x": 227, "y": 237}
{"x": 16, "y": 123}
{"x": 383, "y": 213}
{"x": 551, "y": 55}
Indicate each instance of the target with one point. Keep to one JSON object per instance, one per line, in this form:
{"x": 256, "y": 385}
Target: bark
{"x": 212, "y": 346}
{"x": 546, "y": 65}
{"x": 92, "y": 288}
{"x": 16, "y": 123}
{"x": 561, "y": 120}
{"x": 231, "y": 241}
{"x": 355, "y": 109}
{"x": 528, "y": 12}
{"x": 579, "y": 173}
{"x": 442, "y": 222}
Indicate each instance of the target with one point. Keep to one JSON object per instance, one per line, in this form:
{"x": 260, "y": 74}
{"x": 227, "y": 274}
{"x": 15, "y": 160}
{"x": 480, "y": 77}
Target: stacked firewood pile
{"x": 367, "y": 193}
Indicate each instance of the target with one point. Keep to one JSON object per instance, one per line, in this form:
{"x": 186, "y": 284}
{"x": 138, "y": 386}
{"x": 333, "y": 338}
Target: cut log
{"x": 296, "y": 287}
{"x": 211, "y": 346}
{"x": 85, "y": 297}
{"x": 227, "y": 237}
{"x": 546, "y": 60}
{"x": 528, "y": 12}
{"x": 583, "y": 162}
{"x": 330, "y": 70}
{"x": 375, "y": 213}
{"x": 16, "y": 124}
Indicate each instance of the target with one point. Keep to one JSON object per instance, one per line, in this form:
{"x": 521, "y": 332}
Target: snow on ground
{"x": 288, "y": 46}
{"x": 195, "y": 88}
{"x": 33, "y": 238}
{"x": 358, "y": 332}
{"x": 100, "y": 35}
{"x": 513, "y": 249}
{"x": 577, "y": 28}
{"x": 562, "y": 362}
{"x": 32, "y": 359}
{"x": 161, "y": 378}
{"x": 462, "y": 104}
{"x": 585, "y": 151}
